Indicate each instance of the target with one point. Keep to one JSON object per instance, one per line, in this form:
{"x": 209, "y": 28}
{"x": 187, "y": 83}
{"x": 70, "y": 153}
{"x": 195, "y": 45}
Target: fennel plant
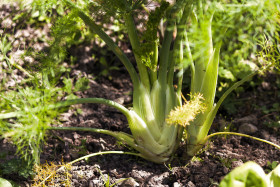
{"x": 158, "y": 119}
{"x": 251, "y": 174}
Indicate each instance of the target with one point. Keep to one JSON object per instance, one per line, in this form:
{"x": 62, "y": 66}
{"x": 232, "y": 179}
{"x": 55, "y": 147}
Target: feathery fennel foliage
{"x": 28, "y": 131}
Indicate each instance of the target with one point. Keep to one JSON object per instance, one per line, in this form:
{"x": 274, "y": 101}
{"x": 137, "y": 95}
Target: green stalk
{"x": 61, "y": 104}
{"x": 13, "y": 63}
{"x": 164, "y": 55}
{"x": 207, "y": 52}
{"x": 123, "y": 137}
{"x": 118, "y": 52}
{"x": 118, "y": 135}
{"x": 209, "y": 120}
{"x": 168, "y": 36}
{"x": 113, "y": 104}
{"x": 178, "y": 45}
{"x": 10, "y": 115}
{"x": 153, "y": 74}
{"x": 135, "y": 43}
{"x": 143, "y": 106}
{"x": 164, "y": 63}
{"x": 240, "y": 134}
{"x": 189, "y": 55}
{"x": 162, "y": 75}
{"x": 197, "y": 135}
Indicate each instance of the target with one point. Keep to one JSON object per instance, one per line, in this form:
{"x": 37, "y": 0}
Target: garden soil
{"x": 219, "y": 156}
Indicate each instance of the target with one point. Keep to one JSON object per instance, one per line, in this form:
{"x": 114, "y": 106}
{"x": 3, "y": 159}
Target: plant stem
{"x": 124, "y": 137}
{"x": 121, "y": 136}
{"x": 10, "y": 115}
{"x": 198, "y": 135}
{"x": 164, "y": 56}
{"x": 240, "y": 134}
{"x": 13, "y": 63}
{"x": 153, "y": 74}
{"x": 102, "y": 131}
{"x": 211, "y": 116}
{"x": 178, "y": 45}
{"x": 172, "y": 18}
{"x": 118, "y": 52}
{"x": 66, "y": 103}
{"x": 113, "y": 104}
{"x": 135, "y": 43}
{"x": 192, "y": 67}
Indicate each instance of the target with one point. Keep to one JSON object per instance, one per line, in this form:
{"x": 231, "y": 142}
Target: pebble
{"x": 235, "y": 164}
{"x": 16, "y": 44}
{"x": 130, "y": 182}
{"x": 95, "y": 183}
{"x": 91, "y": 184}
{"x": 190, "y": 184}
{"x": 7, "y": 23}
{"x": 25, "y": 33}
{"x": 29, "y": 59}
{"x": 75, "y": 181}
{"x": 18, "y": 34}
{"x": 176, "y": 184}
{"x": 247, "y": 119}
{"x": 225, "y": 170}
{"x": 247, "y": 128}
{"x": 265, "y": 135}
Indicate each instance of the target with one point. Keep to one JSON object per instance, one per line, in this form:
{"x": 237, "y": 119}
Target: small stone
{"x": 17, "y": 57}
{"x": 7, "y": 23}
{"x": 176, "y": 184}
{"x": 130, "y": 182}
{"x": 76, "y": 135}
{"x": 38, "y": 47}
{"x": 29, "y": 59}
{"x": 74, "y": 176}
{"x": 75, "y": 181}
{"x": 96, "y": 182}
{"x": 247, "y": 119}
{"x": 237, "y": 163}
{"x": 120, "y": 100}
{"x": 225, "y": 170}
{"x": 25, "y": 33}
{"x": 16, "y": 44}
{"x": 190, "y": 184}
{"x": 91, "y": 184}
{"x": 247, "y": 128}
{"x": 265, "y": 135}
{"x": 266, "y": 85}
{"x": 38, "y": 33}
{"x": 18, "y": 34}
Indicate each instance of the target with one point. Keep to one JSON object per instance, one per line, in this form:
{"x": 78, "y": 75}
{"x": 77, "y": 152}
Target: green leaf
{"x": 5, "y": 183}
{"x": 82, "y": 84}
{"x": 249, "y": 174}
{"x": 209, "y": 83}
{"x": 274, "y": 177}
{"x": 67, "y": 85}
{"x": 225, "y": 73}
{"x": 214, "y": 110}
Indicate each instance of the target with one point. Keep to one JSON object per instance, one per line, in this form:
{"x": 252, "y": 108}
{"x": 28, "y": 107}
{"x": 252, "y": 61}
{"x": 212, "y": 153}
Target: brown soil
{"x": 218, "y": 157}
